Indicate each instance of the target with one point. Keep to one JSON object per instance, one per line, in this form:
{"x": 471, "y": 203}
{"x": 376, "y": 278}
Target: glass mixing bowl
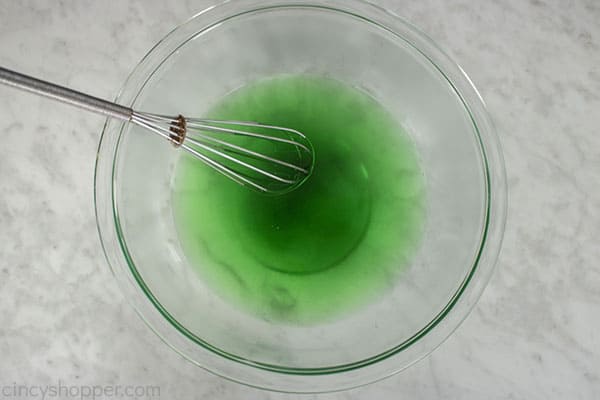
{"x": 237, "y": 42}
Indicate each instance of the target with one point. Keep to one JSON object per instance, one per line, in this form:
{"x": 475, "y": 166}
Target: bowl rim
{"x": 303, "y": 380}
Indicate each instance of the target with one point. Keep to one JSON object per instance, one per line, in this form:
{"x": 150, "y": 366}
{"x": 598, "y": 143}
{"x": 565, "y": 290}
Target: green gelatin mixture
{"x": 327, "y": 248}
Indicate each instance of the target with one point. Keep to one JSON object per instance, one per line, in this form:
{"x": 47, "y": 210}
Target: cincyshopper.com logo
{"x": 60, "y": 390}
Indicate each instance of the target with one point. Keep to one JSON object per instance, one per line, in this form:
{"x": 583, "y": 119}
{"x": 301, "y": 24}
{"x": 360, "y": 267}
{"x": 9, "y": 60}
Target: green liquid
{"x": 330, "y": 246}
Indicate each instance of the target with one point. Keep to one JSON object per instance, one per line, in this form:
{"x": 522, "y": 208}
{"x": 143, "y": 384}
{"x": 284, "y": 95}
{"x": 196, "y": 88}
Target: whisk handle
{"x": 65, "y": 95}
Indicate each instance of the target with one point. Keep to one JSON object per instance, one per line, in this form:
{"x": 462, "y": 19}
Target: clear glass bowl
{"x": 238, "y": 42}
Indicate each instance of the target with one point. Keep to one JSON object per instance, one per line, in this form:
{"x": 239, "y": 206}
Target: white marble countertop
{"x": 535, "y": 334}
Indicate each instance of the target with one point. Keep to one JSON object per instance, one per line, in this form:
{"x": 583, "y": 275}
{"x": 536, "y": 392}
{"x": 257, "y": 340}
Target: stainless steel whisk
{"x": 267, "y": 158}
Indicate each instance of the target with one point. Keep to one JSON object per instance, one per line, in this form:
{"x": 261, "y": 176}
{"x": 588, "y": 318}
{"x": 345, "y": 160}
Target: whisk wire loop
{"x": 267, "y": 158}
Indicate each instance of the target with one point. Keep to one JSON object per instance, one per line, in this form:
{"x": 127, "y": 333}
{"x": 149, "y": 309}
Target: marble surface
{"x": 535, "y": 334}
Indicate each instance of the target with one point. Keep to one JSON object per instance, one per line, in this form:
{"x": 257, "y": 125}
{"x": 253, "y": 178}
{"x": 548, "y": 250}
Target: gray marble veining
{"x": 535, "y": 334}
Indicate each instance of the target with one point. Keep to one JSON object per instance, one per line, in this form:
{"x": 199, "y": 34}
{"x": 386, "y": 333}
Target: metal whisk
{"x": 267, "y": 158}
